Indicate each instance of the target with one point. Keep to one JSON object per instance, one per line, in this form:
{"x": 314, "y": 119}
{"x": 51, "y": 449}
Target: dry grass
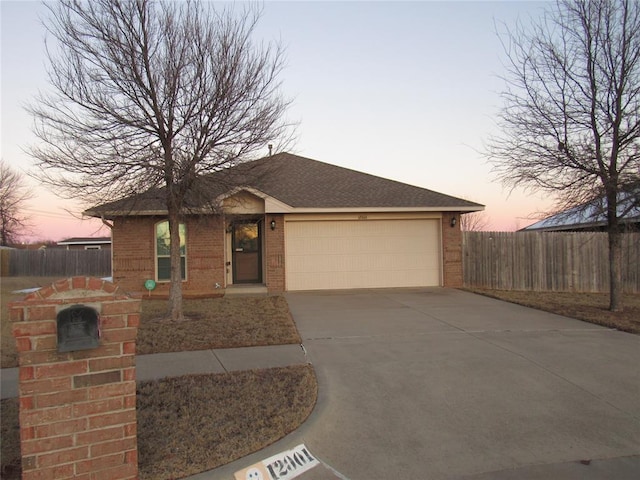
{"x": 223, "y": 417}
{"x": 195, "y": 423}
{"x": 216, "y": 323}
{"x": 10, "y": 446}
{"x": 589, "y": 307}
{"x": 211, "y": 323}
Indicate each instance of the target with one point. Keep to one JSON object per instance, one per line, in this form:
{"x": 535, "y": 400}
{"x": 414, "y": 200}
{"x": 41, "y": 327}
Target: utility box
{"x": 76, "y": 350}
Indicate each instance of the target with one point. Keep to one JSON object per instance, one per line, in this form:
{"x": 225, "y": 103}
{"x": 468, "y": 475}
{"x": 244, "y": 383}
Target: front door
{"x": 247, "y": 258}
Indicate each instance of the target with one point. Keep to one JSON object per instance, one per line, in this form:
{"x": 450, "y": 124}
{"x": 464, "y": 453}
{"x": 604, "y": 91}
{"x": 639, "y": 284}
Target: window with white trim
{"x": 163, "y": 244}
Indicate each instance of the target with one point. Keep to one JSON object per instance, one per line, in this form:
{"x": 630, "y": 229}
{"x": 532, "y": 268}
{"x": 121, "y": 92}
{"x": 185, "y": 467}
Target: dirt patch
{"x": 588, "y": 307}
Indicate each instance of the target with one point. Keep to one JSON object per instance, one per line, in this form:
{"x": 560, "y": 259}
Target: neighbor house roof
{"x": 85, "y": 241}
{"x": 293, "y": 183}
{"x": 590, "y": 216}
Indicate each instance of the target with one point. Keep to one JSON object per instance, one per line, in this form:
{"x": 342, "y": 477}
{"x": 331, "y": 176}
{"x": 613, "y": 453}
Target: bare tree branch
{"x": 474, "y": 221}
{"x": 153, "y": 95}
{"x": 13, "y": 198}
{"x": 570, "y": 124}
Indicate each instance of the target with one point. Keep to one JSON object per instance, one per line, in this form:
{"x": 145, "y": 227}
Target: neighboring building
{"x": 590, "y": 217}
{"x": 36, "y": 245}
{"x": 300, "y": 224}
{"x": 86, "y": 243}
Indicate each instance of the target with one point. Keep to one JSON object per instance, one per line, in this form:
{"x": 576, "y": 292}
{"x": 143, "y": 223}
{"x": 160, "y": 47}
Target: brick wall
{"x": 274, "y": 252}
{"x": 205, "y": 254}
{"x": 132, "y": 241}
{"x": 134, "y": 255}
{"x": 77, "y": 409}
{"x": 452, "y": 250}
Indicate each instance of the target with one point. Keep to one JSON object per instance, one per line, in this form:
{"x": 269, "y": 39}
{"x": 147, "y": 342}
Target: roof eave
{"x": 88, "y": 242}
{"x": 462, "y": 209}
{"x": 576, "y": 226}
{"x": 111, "y": 214}
{"x": 273, "y": 205}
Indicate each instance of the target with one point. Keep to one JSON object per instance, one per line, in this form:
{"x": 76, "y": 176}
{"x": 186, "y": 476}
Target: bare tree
{"x": 474, "y": 221}
{"x": 153, "y": 95}
{"x": 571, "y": 120}
{"x": 14, "y": 195}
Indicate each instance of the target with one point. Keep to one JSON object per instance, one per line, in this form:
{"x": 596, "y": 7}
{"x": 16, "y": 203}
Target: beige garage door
{"x": 362, "y": 254}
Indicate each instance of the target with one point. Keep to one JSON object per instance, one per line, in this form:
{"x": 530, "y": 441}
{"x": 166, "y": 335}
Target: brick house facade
{"x": 311, "y": 226}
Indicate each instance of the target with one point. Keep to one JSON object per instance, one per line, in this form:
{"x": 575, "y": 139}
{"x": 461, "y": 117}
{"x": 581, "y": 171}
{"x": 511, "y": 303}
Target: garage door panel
{"x": 362, "y": 254}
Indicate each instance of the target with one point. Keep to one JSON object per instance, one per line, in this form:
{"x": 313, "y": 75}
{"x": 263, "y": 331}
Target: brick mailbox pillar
{"x": 77, "y": 382}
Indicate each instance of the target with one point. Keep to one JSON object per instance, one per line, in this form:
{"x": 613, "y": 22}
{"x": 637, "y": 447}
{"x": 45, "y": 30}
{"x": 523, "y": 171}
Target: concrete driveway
{"x": 439, "y": 383}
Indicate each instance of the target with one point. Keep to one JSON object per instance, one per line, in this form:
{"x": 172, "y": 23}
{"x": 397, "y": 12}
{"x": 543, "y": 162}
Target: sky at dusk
{"x": 404, "y": 90}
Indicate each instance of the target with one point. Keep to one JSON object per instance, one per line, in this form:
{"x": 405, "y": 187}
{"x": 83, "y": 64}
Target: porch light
{"x": 453, "y": 221}
{"x": 273, "y": 224}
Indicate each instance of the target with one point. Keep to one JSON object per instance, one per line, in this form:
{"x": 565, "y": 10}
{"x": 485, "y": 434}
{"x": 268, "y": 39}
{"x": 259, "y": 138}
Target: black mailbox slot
{"x": 77, "y": 328}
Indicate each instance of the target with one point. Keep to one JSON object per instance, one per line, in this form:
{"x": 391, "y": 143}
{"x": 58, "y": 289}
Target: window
{"x": 92, "y": 247}
{"x": 163, "y": 264}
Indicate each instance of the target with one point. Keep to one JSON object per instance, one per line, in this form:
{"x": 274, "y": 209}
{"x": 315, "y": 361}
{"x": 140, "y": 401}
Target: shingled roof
{"x": 302, "y": 184}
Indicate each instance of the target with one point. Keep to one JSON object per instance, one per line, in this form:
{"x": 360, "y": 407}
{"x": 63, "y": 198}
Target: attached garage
{"x": 343, "y": 253}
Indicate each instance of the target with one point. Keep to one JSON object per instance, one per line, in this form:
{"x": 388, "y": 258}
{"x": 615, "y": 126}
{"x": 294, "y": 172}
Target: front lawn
{"x": 589, "y": 307}
{"x": 194, "y": 423}
{"x": 216, "y": 323}
{"x": 210, "y": 323}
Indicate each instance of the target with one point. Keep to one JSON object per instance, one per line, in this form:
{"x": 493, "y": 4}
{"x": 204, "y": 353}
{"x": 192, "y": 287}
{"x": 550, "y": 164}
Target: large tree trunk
{"x": 174, "y": 311}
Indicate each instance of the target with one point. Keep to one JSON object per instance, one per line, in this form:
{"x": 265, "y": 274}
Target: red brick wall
{"x": 205, "y": 254}
{"x": 274, "y": 254}
{"x": 133, "y": 251}
{"x": 451, "y": 250}
{"x": 77, "y": 409}
{"x": 134, "y": 254}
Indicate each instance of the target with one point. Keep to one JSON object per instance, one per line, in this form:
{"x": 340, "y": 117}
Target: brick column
{"x": 274, "y": 250}
{"x": 452, "y": 250}
{"x": 77, "y": 409}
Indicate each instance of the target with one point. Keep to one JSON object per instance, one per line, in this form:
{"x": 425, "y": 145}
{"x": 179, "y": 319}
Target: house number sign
{"x": 283, "y": 466}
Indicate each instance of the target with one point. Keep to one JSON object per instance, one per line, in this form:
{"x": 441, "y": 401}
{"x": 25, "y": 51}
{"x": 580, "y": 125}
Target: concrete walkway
{"x": 160, "y": 365}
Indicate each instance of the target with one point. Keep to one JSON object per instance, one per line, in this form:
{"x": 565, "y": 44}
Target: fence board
{"x": 59, "y": 262}
{"x": 547, "y": 261}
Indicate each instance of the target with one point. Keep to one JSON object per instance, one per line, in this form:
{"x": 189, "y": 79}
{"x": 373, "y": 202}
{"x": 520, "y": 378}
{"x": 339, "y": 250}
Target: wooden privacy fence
{"x": 547, "y": 261}
{"x": 57, "y": 263}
